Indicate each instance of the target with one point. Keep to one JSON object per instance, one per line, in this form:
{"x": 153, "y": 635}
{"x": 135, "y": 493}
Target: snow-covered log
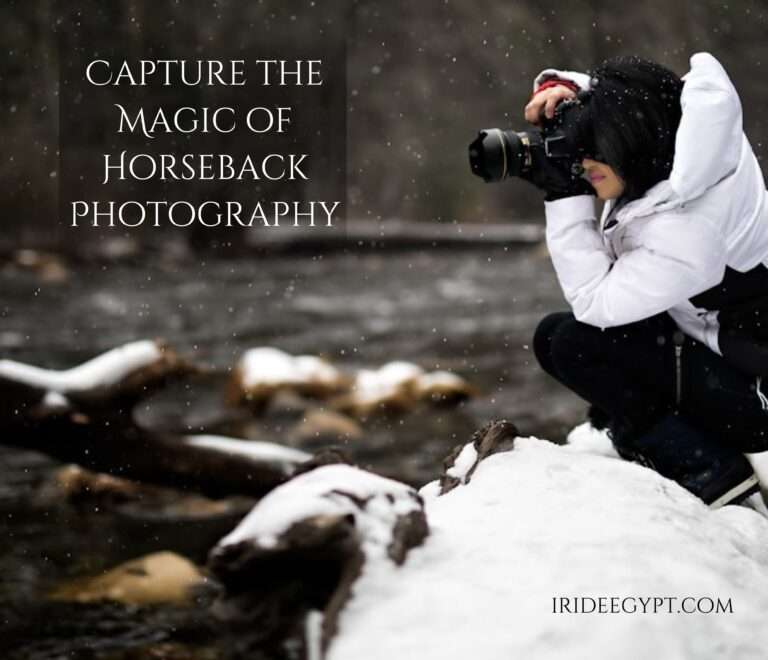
{"x": 293, "y": 560}
{"x": 545, "y": 529}
{"x": 121, "y": 375}
{"x": 84, "y": 415}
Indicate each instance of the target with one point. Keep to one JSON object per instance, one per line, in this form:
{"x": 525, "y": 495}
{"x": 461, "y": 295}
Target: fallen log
{"x": 84, "y": 415}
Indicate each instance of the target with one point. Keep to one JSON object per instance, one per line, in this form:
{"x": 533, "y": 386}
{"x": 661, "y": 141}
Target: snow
{"x": 314, "y": 635}
{"x": 263, "y": 370}
{"x": 584, "y": 438}
{"x": 544, "y": 521}
{"x": 464, "y": 461}
{"x": 400, "y": 380}
{"x": 102, "y": 371}
{"x": 54, "y": 401}
{"x": 272, "y": 367}
{"x": 372, "y": 385}
{"x": 261, "y": 452}
{"x": 321, "y": 492}
{"x": 437, "y": 381}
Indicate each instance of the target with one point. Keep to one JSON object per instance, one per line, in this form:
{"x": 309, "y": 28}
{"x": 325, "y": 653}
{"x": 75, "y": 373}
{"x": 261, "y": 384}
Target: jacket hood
{"x": 708, "y": 141}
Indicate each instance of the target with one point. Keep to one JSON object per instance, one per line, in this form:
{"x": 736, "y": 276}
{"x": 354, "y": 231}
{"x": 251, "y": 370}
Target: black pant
{"x": 629, "y": 372}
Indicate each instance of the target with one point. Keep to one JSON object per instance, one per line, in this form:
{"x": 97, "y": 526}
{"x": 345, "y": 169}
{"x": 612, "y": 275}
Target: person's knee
{"x": 542, "y": 338}
{"x": 575, "y": 345}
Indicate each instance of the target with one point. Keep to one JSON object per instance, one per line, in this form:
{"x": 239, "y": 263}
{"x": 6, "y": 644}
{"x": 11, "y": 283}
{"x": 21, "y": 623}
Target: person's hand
{"x": 557, "y": 177}
{"x": 545, "y": 102}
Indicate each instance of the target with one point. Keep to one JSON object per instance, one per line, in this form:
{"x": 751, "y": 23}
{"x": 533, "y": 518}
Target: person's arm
{"x": 679, "y": 256}
{"x": 710, "y": 136}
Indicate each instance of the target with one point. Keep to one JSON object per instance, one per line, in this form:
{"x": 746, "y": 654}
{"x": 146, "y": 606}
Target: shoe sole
{"x": 737, "y": 493}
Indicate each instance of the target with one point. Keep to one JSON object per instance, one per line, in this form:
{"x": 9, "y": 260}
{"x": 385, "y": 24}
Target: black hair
{"x": 629, "y": 120}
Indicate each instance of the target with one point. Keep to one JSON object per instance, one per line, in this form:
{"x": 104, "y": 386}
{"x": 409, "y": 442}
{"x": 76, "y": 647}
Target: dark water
{"x": 468, "y": 311}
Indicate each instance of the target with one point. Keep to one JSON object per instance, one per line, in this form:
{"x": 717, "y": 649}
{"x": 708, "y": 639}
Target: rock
{"x": 400, "y": 387}
{"x": 300, "y": 550}
{"x": 390, "y": 388}
{"x": 443, "y": 388}
{"x": 50, "y": 268}
{"x": 158, "y": 578}
{"x": 326, "y": 426}
{"x": 262, "y": 372}
{"x": 78, "y": 485}
{"x": 272, "y": 382}
{"x": 461, "y": 463}
{"x": 287, "y": 404}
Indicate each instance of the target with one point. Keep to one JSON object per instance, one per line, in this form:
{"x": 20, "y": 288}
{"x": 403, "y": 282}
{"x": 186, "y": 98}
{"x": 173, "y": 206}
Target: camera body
{"x": 497, "y": 154}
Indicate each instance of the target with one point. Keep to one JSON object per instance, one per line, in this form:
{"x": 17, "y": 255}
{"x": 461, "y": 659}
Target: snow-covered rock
{"x": 329, "y": 491}
{"x": 303, "y": 546}
{"x": 400, "y": 385}
{"x": 264, "y": 373}
{"x": 442, "y": 386}
{"x": 261, "y": 372}
{"x": 544, "y": 522}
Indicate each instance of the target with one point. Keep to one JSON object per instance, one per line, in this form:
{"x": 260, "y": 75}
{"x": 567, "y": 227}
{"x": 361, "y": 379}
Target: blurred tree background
{"x": 421, "y": 79}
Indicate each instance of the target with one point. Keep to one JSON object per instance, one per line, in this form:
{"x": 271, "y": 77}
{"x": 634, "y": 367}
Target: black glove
{"x": 557, "y": 177}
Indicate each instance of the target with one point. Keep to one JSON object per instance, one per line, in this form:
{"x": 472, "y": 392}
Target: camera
{"x": 497, "y": 154}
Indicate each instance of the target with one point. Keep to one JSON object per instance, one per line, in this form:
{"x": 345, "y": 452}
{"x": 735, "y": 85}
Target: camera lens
{"x": 495, "y": 154}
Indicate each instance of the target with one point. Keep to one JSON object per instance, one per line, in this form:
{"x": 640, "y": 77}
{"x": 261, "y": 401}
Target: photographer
{"x": 669, "y": 286}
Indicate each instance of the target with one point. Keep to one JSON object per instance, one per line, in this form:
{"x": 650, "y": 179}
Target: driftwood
{"x": 85, "y": 416}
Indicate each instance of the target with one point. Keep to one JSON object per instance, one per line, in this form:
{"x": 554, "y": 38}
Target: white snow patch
{"x": 371, "y": 385}
{"x": 313, "y": 633}
{"x": 262, "y": 452}
{"x": 432, "y": 489}
{"x": 439, "y": 380}
{"x": 320, "y": 493}
{"x": 544, "y": 521}
{"x": 272, "y": 367}
{"x": 588, "y": 439}
{"x": 464, "y": 461}
{"x": 104, "y": 370}
{"x": 53, "y": 401}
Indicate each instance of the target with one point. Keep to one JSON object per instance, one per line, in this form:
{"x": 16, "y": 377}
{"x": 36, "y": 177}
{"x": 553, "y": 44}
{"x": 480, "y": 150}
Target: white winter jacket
{"x": 678, "y": 239}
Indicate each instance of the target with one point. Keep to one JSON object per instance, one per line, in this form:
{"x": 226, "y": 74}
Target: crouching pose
{"x": 667, "y": 337}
